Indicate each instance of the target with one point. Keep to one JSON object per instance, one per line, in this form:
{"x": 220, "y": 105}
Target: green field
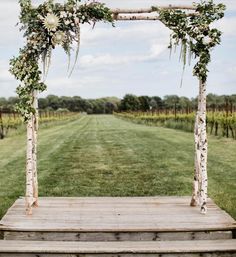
{"x": 107, "y": 156}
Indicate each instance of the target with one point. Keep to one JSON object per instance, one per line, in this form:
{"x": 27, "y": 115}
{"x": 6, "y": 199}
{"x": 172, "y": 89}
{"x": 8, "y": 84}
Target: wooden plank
{"x": 106, "y": 236}
{"x": 116, "y": 214}
{"x": 205, "y": 246}
{"x": 221, "y": 254}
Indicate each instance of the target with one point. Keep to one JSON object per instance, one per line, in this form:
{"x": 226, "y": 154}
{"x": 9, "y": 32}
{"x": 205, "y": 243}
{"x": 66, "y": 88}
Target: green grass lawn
{"x": 106, "y": 156}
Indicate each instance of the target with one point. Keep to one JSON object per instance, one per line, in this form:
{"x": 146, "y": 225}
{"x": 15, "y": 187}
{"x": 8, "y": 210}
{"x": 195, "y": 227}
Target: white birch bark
{"x": 35, "y": 135}
{"x": 200, "y": 182}
{"x": 122, "y": 17}
{"x": 29, "y": 167}
{"x": 150, "y": 10}
{"x": 139, "y": 17}
{"x": 202, "y": 146}
{"x": 196, "y": 181}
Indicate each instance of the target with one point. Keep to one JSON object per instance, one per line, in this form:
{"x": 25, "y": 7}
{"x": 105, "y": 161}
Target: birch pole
{"x": 197, "y": 168}
{"x": 31, "y": 164}
{"x": 35, "y": 136}
{"x": 29, "y": 195}
{"x": 151, "y": 9}
{"x": 200, "y": 179}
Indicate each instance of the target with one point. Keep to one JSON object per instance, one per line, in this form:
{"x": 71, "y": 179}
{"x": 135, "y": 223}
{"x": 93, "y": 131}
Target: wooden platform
{"x": 106, "y": 218}
{"x": 117, "y": 227}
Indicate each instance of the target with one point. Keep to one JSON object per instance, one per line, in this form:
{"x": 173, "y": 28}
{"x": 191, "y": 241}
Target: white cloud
{"x": 228, "y": 26}
{"x": 232, "y": 71}
{"x": 90, "y": 61}
{"x": 9, "y": 11}
{"x": 128, "y": 58}
{"x": 4, "y": 73}
{"x": 132, "y": 33}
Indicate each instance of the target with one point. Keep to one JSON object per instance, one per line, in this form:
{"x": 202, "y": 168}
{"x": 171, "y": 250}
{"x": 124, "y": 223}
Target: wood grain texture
{"x": 219, "y": 254}
{"x": 116, "y": 236}
{"x": 206, "y": 246}
{"x": 121, "y": 214}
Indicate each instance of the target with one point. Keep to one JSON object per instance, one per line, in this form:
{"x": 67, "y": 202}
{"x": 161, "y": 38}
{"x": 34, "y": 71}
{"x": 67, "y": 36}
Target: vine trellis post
{"x": 52, "y": 24}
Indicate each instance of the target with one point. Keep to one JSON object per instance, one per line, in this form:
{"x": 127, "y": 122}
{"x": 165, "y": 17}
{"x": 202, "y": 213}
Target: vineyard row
{"x": 12, "y": 121}
{"x": 218, "y": 123}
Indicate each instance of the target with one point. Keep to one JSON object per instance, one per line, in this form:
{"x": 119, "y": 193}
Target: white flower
{"x": 67, "y": 22}
{"x": 76, "y": 21}
{"x": 206, "y": 40}
{"x": 195, "y": 30}
{"x": 40, "y": 17}
{"x": 199, "y": 37}
{"x": 51, "y": 21}
{"x": 63, "y": 14}
{"x": 58, "y": 38}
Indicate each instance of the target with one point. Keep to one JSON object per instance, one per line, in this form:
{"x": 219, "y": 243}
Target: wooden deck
{"x": 107, "y": 214}
{"x": 117, "y": 227}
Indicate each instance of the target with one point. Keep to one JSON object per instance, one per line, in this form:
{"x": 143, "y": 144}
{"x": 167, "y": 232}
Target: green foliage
{"x": 194, "y": 33}
{"x": 45, "y": 27}
{"x": 51, "y": 24}
{"x": 130, "y": 103}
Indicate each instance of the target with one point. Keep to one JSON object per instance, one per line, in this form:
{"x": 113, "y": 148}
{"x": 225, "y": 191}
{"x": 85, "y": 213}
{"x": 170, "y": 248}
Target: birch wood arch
{"x": 52, "y": 24}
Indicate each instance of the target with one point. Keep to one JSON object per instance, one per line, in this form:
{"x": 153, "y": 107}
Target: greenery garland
{"x": 194, "y": 33}
{"x": 52, "y": 24}
{"x": 49, "y": 25}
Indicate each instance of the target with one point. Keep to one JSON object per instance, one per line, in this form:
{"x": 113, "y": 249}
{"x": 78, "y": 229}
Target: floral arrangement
{"x": 53, "y": 24}
{"x": 194, "y": 33}
{"x": 47, "y": 26}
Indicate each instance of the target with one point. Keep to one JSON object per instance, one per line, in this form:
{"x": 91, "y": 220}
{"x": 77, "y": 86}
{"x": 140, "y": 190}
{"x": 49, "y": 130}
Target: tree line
{"x": 129, "y": 103}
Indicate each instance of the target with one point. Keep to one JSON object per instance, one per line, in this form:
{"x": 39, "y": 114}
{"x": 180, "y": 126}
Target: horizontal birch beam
{"x": 120, "y": 17}
{"x": 140, "y": 17}
{"x": 150, "y": 10}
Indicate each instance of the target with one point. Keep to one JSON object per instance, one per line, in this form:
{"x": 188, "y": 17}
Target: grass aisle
{"x": 106, "y": 156}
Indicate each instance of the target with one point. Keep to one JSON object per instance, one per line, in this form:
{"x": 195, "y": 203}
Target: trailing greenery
{"x": 51, "y": 24}
{"x": 46, "y": 26}
{"x": 194, "y": 33}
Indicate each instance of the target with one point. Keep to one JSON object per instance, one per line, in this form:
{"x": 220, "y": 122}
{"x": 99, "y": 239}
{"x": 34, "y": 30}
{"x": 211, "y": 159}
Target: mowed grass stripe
{"x": 106, "y": 156}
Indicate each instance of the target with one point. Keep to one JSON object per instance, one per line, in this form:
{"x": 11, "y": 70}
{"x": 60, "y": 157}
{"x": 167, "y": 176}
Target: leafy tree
{"x": 43, "y": 103}
{"x": 130, "y": 103}
{"x": 159, "y": 102}
{"x": 144, "y": 103}
{"x": 171, "y": 101}
{"x": 53, "y": 102}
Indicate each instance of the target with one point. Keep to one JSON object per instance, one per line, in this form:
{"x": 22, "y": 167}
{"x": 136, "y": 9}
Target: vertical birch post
{"x": 203, "y": 146}
{"x": 196, "y": 181}
{"x": 29, "y": 195}
{"x": 35, "y": 136}
{"x": 31, "y": 164}
{"x": 200, "y": 177}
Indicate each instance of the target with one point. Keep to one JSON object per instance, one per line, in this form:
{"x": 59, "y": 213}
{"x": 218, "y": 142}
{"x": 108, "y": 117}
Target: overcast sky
{"x": 130, "y": 58}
